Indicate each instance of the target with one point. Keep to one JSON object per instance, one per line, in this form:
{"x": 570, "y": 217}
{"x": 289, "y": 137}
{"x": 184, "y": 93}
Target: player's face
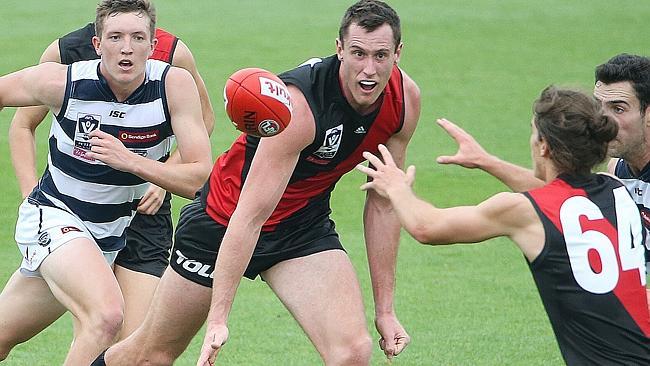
{"x": 620, "y": 103}
{"x": 124, "y": 47}
{"x": 367, "y": 59}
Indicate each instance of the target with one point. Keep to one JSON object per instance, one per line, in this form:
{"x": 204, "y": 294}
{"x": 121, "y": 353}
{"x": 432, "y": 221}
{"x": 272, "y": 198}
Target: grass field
{"x": 480, "y": 63}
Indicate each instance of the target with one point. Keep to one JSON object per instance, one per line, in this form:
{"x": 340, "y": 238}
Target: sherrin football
{"x": 257, "y": 102}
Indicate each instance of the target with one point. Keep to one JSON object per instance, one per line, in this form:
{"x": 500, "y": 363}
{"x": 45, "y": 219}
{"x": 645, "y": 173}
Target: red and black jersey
{"x": 591, "y": 272}
{"x": 77, "y": 45}
{"x": 341, "y": 136}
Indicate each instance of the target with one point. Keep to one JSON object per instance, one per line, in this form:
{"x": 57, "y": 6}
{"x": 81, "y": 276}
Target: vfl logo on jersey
{"x": 331, "y": 144}
{"x": 86, "y": 123}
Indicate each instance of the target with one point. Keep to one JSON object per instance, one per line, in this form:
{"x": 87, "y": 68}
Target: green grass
{"x": 480, "y": 63}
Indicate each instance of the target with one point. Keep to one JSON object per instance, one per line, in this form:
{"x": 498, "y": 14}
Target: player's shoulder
{"x": 84, "y": 33}
{"x": 411, "y": 88}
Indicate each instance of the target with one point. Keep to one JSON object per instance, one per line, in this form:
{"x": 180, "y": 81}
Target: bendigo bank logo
{"x": 138, "y": 137}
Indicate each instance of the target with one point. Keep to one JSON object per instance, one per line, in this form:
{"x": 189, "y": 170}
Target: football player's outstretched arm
{"x": 472, "y": 155}
{"x": 267, "y": 179}
{"x": 22, "y": 133}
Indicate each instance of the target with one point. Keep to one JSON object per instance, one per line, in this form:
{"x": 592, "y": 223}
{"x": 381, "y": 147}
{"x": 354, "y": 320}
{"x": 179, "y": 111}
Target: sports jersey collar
{"x": 132, "y": 98}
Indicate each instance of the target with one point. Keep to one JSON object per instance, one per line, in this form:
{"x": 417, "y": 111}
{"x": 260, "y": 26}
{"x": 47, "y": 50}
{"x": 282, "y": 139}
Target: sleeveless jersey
{"x": 341, "y": 137}
{"x": 639, "y": 188}
{"x": 77, "y": 45}
{"x": 105, "y": 199}
{"x": 590, "y": 273}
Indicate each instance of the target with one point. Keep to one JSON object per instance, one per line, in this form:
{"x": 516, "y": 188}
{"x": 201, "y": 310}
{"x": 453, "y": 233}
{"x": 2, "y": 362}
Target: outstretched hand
{"x": 393, "y": 336}
{"x": 386, "y": 176}
{"x": 215, "y": 337}
{"x": 470, "y": 153}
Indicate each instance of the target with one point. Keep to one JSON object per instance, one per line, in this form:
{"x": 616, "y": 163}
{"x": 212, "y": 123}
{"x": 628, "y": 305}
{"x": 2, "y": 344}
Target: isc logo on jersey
{"x": 194, "y": 266}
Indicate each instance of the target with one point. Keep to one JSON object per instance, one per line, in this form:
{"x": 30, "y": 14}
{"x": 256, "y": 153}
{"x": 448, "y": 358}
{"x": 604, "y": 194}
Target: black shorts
{"x": 148, "y": 241}
{"x": 198, "y": 237}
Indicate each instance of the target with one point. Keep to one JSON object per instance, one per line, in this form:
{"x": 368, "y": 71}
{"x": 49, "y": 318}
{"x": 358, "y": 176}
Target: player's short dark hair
{"x": 632, "y": 68}
{"x": 573, "y": 125}
{"x": 370, "y": 15}
{"x": 110, "y": 7}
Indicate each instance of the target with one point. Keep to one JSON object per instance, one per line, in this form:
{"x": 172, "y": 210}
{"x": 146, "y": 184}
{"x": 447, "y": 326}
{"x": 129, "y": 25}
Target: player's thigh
{"x": 81, "y": 279}
{"x": 322, "y": 292}
{"x": 27, "y": 306}
{"x": 137, "y": 289}
{"x": 178, "y": 310}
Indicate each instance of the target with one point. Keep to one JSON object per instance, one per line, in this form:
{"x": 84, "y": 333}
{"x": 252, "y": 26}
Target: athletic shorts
{"x": 40, "y": 230}
{"x": 148, "y": 241}
{"x": 198, "y": 236}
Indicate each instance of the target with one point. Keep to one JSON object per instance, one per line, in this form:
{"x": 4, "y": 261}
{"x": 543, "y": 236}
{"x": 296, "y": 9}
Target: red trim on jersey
{"x": 226, "y": 176}
{"x": 632, "y": 296}
{"x": 164, "y": 50}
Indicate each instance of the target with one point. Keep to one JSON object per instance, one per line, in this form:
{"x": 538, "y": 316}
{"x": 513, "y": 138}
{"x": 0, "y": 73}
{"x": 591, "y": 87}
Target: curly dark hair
{"x": 574, "y": 127}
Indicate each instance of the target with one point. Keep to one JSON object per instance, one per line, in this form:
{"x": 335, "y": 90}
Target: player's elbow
{"x": 426, "y": 233}
{"x": 203, "y": 169}
{"x": 420, "y": 232}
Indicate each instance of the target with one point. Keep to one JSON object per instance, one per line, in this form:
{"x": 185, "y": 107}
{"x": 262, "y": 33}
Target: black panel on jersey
{"x": 77, "y": 45}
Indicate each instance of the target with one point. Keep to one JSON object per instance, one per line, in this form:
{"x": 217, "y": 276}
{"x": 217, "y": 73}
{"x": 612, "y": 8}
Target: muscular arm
{"x": 182, "y": 58}
{"x": 471, "y": 155}
{"x": 274, "y": 161}
{"x": 183, "y": 178}
{"x": 381, "y": 231}
{"x": 22, "y": 133}
{"x": 505, "y": 214}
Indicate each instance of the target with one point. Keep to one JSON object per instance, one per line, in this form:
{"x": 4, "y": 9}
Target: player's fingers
{"x": 386, "y": 155}
{"x": 375, "y": 161}
{"x": 410, "y": 174}
{"x": 445, "y": 159}
{"x": 366, "y": 186}
{"x": 366, "y": 170}
{"x": 452, "y": 129}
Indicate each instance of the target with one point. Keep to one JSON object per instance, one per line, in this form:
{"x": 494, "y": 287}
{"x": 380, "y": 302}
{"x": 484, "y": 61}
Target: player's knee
{"x": 355, "y": 352}
{"x": 107, "y": 322}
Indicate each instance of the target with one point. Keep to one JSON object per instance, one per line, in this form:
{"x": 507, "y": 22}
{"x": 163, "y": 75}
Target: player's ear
{"x": 646, "y": 116}
{"x": 543, "y": 148}
{"x": 339, "y": 49}
{"x": 398, "y": 52}
{"x": 153, "y": 46}
{"x": 96, "y": 42}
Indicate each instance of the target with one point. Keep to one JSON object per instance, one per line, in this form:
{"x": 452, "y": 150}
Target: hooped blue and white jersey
{"x": 639, "y": 188}
{"x": 105, "y": 199}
